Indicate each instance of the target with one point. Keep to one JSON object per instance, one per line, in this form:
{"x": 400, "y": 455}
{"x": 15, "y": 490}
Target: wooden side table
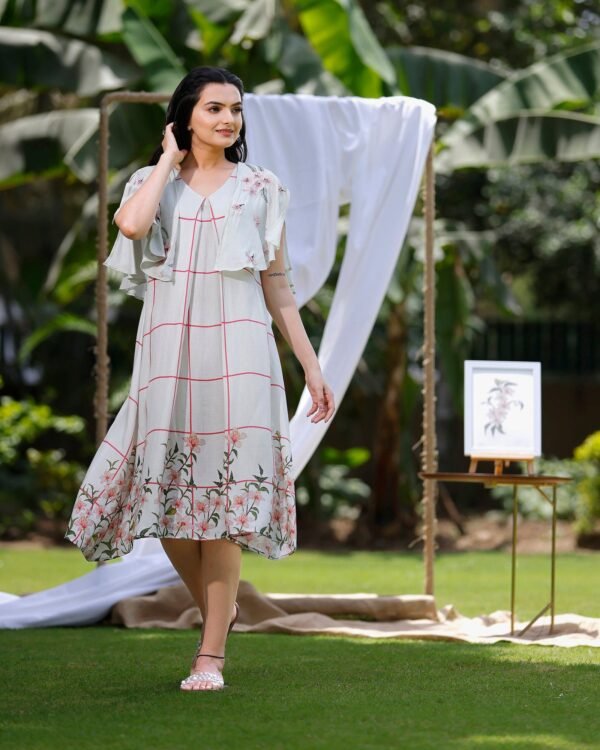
{"x": 516, "y": 480}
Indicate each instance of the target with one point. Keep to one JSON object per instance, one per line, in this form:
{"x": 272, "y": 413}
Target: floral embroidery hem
{"x": 107, "y": 519}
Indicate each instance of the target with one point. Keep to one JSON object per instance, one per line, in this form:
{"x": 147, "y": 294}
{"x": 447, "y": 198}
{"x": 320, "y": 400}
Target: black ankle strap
{"x": 213, "y": 656}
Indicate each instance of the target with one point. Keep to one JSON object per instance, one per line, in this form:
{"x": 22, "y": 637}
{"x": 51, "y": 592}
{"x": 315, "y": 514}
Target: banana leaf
{"x": 39, "y": 60}
{"x": 35, "y": 146}
{"x": 340, "y": 34}
{"x": 529, "y": 137}
{"x": 452, "y": 82}
{"x": 162, "y": 68}
{"x": 131, "y": 128}
{"x": 567, "y": 81}
{"x": 83, "y": 19}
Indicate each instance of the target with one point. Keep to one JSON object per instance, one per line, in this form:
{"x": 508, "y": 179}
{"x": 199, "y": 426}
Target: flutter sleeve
{"x": 278, "y": 199}
{"x": 139, "y": 259}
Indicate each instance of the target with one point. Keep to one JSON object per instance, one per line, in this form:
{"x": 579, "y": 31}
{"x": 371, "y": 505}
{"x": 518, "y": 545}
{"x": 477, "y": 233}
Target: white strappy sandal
{"x": 212, "y": 677}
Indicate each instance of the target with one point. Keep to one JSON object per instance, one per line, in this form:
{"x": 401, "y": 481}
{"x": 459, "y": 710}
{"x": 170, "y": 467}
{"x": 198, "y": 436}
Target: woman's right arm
{"x": 134, "y": 218}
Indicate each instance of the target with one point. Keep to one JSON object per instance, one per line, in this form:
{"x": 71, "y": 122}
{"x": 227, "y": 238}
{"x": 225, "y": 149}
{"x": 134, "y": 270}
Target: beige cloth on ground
{"x": 362, "y": 615}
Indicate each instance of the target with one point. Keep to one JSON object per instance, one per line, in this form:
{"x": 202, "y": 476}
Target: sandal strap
{"x": 199, "y": 653}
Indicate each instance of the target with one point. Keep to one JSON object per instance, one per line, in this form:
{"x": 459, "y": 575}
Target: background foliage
{"x": 517, "y": 88}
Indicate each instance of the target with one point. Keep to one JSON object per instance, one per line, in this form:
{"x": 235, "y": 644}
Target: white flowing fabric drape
{"x": 328, "y": 151}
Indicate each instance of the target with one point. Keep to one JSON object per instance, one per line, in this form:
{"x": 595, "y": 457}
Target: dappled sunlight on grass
{"x": 519, "y": 742}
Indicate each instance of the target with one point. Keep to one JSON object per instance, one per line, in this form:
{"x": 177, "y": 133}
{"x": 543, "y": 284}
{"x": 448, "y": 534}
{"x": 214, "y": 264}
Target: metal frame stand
{"x": 515, "y": 480}
{"x": 551, "y": 604}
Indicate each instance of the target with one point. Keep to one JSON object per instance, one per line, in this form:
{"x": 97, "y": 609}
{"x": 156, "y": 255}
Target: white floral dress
{"x": 200, "y": 449}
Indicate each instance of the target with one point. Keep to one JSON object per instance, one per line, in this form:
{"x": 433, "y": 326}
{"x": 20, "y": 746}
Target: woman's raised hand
{"x": 170, "y": 147}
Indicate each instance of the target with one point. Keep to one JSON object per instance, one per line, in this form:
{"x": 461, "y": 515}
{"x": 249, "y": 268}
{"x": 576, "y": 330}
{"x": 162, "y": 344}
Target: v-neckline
{"x": 205, "y": 197}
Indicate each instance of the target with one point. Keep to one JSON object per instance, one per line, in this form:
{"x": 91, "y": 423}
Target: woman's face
{"x": 216, "y": 119}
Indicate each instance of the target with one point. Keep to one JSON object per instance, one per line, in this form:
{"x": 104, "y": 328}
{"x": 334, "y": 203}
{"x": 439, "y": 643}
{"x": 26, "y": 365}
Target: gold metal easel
{"x": 516, "y": 480}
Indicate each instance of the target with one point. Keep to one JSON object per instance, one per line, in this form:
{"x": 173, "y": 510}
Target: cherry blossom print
{"x": 82, "y": 522}
{"x": 256, "y": 182}
{"x": 236, "y": 437}
{"x": 107, "y": 477}
{"x": 500, "y": 401}
{"x": 254, "y": 495}
{"x": 194, "y": 441}
{"x": 183, "y": 525}
{"x": 113, "y": 492}
{"x": 218, "y": 503}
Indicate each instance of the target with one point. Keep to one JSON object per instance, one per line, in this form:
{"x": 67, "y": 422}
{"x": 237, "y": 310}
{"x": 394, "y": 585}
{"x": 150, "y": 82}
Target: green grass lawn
{"x": 474, "y": 582}
{"x": 107, "y": 687}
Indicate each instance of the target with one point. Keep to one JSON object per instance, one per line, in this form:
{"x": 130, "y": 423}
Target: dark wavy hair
{"x": 185, "y": 98}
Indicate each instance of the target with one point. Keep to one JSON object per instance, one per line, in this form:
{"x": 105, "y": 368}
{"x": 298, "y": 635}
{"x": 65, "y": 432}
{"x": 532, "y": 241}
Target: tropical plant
{"x": 545, "y": 220}
{"x": 588, "y": 456}
{"x": 36, "y": 482}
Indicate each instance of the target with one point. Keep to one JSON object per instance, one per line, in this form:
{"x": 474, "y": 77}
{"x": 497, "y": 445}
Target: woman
{"x": 199, "y": 453}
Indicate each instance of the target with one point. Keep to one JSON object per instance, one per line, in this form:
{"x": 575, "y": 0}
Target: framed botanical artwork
{"x": 503, "y": 414}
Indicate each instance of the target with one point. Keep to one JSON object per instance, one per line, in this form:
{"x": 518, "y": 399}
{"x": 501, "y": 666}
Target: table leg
{"x": 514, "y": 561}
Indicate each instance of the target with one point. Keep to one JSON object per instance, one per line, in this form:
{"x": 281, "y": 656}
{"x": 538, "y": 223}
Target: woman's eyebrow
{"x": 221, "y": 103}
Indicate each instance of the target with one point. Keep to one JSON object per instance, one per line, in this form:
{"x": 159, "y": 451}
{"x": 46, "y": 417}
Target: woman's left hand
{"x": 322, "y": 397}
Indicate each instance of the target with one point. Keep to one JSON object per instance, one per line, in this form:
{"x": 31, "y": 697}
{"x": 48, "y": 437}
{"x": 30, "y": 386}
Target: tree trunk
{"x": 386, "y": 517}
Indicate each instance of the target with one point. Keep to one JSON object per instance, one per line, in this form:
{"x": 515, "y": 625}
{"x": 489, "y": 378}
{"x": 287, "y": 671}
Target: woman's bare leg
{"x": 221, "y": 565}
{"x": 210, "y": 569}
{"x": 185, "y": 556}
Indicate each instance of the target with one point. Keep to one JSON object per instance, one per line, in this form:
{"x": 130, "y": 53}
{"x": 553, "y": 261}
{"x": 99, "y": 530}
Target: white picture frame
{"x": 503, "y": 410}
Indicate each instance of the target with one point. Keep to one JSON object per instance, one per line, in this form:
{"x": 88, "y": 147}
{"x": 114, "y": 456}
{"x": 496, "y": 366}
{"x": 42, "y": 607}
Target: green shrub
{"x": 532, "y": 504}
{"x": 336, "y": 495}
{"x": 577, "y": 501}
{"x": 588, "y": 456}
{"x": 35, "y": 481}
